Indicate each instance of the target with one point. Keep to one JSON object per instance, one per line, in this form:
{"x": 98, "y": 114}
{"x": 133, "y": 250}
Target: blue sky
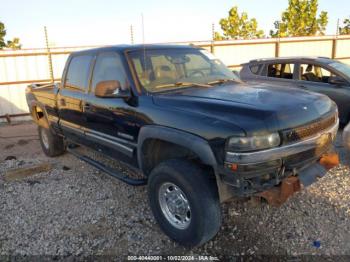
{"x": 79, "y": 22}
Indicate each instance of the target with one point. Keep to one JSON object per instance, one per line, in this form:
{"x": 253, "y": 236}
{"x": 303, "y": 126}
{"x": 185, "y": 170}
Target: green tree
{"x": 300, "y": 19}
{"x": 238, "y": 26}
{"x": 345, "y": 30}
{"x": 2, "y": 35}
{"x": 14, "y": 44}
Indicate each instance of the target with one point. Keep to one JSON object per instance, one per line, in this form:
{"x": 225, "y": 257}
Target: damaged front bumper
{"x": 346, "y": 137}
{"x": 255, "y": 172}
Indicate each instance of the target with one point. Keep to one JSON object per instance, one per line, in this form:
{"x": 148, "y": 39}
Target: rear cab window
{"x": 77, "y": 77}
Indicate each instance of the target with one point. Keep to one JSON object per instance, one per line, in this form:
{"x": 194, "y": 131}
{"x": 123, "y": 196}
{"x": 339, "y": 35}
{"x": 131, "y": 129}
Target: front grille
{"x": 303, "y": 132}
{"x": 299, "y": 160}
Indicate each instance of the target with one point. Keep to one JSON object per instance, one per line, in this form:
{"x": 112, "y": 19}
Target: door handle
{"x": 87, "y": 107}
{"x": 303, "y": 87}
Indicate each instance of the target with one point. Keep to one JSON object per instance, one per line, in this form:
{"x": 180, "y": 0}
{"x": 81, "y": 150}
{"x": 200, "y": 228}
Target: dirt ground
{"x": 72, "y": 209}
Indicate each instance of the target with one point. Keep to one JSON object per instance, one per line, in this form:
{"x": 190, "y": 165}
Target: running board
{"x": 109, "y": 171}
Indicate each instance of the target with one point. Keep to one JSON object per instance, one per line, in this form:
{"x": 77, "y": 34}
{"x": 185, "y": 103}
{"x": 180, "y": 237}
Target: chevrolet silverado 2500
{"x": 198, "y": 134}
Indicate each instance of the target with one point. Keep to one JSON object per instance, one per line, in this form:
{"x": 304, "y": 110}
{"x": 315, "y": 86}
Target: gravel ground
{"x": 74, "y": 209}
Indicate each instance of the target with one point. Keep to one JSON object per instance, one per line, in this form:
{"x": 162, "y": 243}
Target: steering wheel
{"x": 197, "y": 72}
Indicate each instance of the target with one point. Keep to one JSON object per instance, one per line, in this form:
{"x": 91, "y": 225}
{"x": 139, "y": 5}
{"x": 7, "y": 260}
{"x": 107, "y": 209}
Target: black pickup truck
{"x": 198, "y": 134}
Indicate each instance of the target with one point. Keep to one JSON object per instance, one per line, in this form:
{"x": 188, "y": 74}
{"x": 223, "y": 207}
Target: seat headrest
{"x": 165, "y": 68}
{"x": 163, "y": 71}
{"x": 309, "y": 68}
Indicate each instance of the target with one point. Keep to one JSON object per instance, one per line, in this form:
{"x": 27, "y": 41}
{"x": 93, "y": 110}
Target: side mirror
{"x": 336, "y": 80}
{"x": 110, "y": 88}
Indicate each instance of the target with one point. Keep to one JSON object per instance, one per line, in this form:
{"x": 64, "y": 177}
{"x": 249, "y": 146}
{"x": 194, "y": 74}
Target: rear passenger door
{"x": 70, "y": 96}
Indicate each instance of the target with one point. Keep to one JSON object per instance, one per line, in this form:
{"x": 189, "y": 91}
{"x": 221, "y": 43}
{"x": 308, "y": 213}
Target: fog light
{"x": 265, "y": 177}
{"x": 232, "y": 167}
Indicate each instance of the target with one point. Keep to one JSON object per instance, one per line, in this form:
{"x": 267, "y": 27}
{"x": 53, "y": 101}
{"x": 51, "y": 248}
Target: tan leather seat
{"x": 164, "y": 72}
{"x": 310, "y": 76}
{"x": 302, "y": 73}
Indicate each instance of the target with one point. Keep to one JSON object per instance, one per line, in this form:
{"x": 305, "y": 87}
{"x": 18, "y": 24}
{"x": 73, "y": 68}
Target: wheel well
{"x": 154, "y": 151}
{"x": 39, "y": 116}
{"x": 38, "y": 112}
{"x": 348, "y": 119}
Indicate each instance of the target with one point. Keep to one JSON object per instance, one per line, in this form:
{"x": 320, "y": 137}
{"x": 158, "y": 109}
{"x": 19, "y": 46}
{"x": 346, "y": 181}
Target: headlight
{"x": 241, "y": 144}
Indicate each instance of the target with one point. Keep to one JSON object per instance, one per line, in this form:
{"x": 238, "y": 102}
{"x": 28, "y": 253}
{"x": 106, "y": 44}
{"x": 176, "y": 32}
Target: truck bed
{"x": 43, "y": 94}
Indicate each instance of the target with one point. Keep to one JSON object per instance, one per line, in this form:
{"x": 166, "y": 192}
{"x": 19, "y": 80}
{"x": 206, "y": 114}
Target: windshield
{"x": 341, "y": 67}
{"x": 164, "y": 69}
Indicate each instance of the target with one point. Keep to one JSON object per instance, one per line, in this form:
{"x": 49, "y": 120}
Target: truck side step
{"x": 109, "y": 171}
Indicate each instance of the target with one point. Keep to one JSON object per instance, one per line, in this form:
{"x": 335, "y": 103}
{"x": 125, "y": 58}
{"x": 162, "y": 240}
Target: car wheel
{"x": 51, "y": 144}
{"x": 184, "y": 200}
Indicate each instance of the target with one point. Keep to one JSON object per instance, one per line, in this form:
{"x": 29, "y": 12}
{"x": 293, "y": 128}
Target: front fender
{"x": 187, "y": 140}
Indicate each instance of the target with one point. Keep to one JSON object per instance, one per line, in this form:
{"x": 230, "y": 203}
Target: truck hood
{"x": 255, "y": 108}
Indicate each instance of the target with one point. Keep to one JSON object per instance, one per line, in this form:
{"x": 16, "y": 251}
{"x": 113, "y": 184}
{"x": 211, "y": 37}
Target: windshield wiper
{"x": 181, "y": 84}
{"x": 221, "y": 81}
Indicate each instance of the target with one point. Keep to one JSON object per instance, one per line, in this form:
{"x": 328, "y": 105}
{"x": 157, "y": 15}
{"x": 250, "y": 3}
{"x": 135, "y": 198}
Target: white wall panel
{"x": 343, "y": 48}
{"x": 12, "y": 100}
{"x": 238, "y": 54}
{"x": 346, "y": 61}
{"x": 313, "y": 48}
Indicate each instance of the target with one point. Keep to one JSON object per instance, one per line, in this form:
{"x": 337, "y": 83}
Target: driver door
{"x": 109, "y": 122}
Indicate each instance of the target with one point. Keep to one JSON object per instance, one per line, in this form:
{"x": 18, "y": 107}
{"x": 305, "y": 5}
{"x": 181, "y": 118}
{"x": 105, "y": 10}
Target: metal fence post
{"x": 277, "y": 48}
{"x": 49, "y": 55}
{"x": 131, "y": 34}
{"x": 212, "y": 49}
{"x": 212, "y": 45}
{"x": 334, "y": 48}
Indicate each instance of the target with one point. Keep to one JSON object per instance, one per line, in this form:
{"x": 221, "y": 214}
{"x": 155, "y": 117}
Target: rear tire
{"x": 191, "y": 191}
{"x": 51, "y": 144}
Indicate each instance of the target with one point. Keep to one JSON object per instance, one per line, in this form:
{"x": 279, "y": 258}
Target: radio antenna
{"x": 143, "y": 29}
{"x": 143, "y": 41}
{"x": 131, "y": 34}
{"x": 49, "y": 55}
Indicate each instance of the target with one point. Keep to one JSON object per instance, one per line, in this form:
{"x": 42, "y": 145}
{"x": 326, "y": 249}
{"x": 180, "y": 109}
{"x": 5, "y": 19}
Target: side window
{"x": 284, "y": 71}
{"x": 78, "y": 73}
{"x": 314, "y": 73}
{"x": 109, "y": 67}
{"x": 255, "y": 69}
{"x": 274, "y": 70}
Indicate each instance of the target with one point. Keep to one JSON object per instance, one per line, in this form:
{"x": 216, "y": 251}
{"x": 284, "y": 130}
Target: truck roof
{"x": 122, "y": 48}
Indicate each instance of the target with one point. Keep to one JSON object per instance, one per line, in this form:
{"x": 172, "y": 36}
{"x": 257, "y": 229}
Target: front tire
{"x": 184, "y": 200}
{"x": 51, "y": 144}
